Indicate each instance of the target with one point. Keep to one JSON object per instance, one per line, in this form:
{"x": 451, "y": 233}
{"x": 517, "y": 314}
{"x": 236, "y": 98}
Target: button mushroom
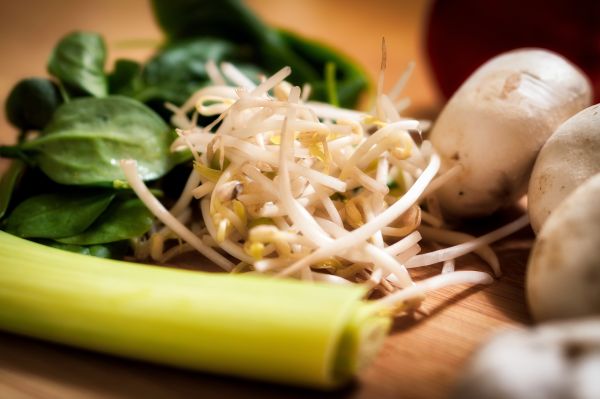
{"x": 552, "y": 361}
{"x": 497, "y": 121}
{"x": 569, "y": 157}
{"x": 563, "y": 273}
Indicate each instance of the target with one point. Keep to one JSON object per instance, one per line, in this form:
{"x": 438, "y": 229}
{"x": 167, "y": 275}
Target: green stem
{"x": 12, "y": 151}
{"x": 331, "y": 84}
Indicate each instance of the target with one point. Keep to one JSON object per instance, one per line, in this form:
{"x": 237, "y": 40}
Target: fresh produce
{"x": 269, "y": 48}
{"x": 490, "y": 131}
{"x": 551, "y": 361}
{"x": 32, "y": 103}
{"x": 9, "y": 180}
{"x": 298, "y": 188}
{"x": 569, "y": 157}
{"x": 85, "y": 138}
{"x": 286, "y": 185}
{"x": 78, "y": 63}
{"x": 88, "y": 130}
{"x": 563, "y": 274}
{"x": 75, "y": 128}
{"x": 243, "y": 161}
{"x": 281, "y": 331}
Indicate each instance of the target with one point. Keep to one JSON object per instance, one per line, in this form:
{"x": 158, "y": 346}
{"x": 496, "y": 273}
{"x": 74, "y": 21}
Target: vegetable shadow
{"x": 507, "y": 294}
{"x": 36, "y": 369}
{"x": 406, "y": 322}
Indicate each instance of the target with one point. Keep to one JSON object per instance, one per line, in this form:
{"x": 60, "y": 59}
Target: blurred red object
{"x": 463, "y": 34}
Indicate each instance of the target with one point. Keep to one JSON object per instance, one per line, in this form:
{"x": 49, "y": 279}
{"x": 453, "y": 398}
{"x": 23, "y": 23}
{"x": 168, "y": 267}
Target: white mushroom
{"x": 552, "y": 361}
{"x": 563, "y": 274}
{"x": 569, "y": 157}
{"x": 496, "y": 123}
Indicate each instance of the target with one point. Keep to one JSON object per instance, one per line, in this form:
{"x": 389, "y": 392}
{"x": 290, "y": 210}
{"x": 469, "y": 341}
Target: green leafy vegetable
{"x": 31, "y": 103}
{"x": 272, "y": 49}
{"x": 114, "y": 250}
{"x": 178, "y": 70}
{"x": 122, "y": 220}
{"x": 78, "y": 62}
{"x": 83, "y": 140}
{"x": 8, "y": 184}
{"x": 125, "y": 78}
{"x": 87, "y": 138}
{"x": 351, "y": 80}
{"x": 57, "y": 215}
{"x": 230, "y": 20}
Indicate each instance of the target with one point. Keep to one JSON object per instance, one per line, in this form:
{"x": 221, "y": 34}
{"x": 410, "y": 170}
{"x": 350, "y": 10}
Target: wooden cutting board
{"x": 424, "y": 354}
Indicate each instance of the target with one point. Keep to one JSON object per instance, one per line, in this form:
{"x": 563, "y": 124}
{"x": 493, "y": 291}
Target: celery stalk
{"x": 255, "y": 327}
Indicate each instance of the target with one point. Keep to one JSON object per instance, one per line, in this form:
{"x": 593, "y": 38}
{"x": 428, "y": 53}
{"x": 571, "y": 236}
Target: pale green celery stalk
{"x": 250, "y": 326}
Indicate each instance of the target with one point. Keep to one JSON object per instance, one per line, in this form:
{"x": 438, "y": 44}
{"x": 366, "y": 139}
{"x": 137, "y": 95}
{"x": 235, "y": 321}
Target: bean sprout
{"x": 290, "y": 187}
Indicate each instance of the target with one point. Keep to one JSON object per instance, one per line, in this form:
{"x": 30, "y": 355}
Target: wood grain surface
{"x": 425, "y": 352}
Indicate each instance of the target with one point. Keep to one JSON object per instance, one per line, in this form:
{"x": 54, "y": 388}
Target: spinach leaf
{"x": 114, "y": 250}
{"x": 33, "y": 182}
{"x": 122, "y": 220}
{"x": 87, "y": 138}
{"x": 8, "y": 184}
{"x": 272, "y": 48}
{"x": 178, "y": 70}
{"x": 230, "y": 20}
{"x": 78, "y": 62}
{"x": 57, "y": 215}
{"x": 125, "y": 79}
{"x": 31, "y": 103}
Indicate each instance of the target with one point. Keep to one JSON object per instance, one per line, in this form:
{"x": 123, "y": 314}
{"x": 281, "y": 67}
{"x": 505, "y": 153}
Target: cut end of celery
{"x": 361, "y": 341}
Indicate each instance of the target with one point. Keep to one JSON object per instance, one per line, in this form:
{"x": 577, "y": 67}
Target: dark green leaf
{"x": 115, "y": 250}
{"x": 34, "y": 182}
{"x": 124, "y": 219}
{"x": 8, "y": 183}
{"x": 228, "y": 19}
{"x": 125, "y": 78}
{"x": 231, "y": 20}
{"x": 57, "y": 215}
{"x": 31, "y": 103}
{"x": 272, "y": 49}
{"x": 78, "y": 62}
{"x": 351, "y": 80}
{"x": 87, "y": 138}
{"x": 178, "y": 70}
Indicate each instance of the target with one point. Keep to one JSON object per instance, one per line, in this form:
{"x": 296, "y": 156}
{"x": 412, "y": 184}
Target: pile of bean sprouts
{"x": 290, "y": 187}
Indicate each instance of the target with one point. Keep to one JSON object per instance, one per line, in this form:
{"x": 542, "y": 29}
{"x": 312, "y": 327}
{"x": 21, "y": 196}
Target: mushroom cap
{"x": 552, "y": 361}
{"x": 569, "y": 157}
{"x": 563, "y": 272}
{"x": 496, "y": 123}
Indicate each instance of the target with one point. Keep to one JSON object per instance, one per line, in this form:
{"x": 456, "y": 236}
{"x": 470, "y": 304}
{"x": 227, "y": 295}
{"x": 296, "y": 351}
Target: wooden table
{"x": 421, "y": 359}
